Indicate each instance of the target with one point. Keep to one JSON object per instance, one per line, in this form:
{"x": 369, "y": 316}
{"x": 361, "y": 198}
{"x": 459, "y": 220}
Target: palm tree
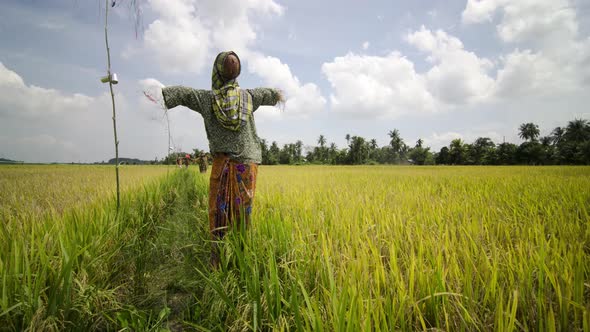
{"x": 546, "y": 140}
{"x": 557, "y": 135}
{"x": 372, "y": 148}
{"x": 359, "y": 151}
{"x": 322, "y": 141}
{"x": 577, "y": 130}
{"x": 322, "y": 149}
{"x": 373, "y": 144}
{"x": 332, "y": 151}
{"x": 396, "y": 142}
{"x": 347, "y": 139}
{"x": 298, "y": 149}
{"x": 529, "y": 131}
{"x": 457, "y": 151}
{"x": 419, "y": 143}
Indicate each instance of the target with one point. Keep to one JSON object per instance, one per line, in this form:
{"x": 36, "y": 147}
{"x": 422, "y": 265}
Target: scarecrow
{"x": 228, "y": 113}
{"x": 202, "y": 161}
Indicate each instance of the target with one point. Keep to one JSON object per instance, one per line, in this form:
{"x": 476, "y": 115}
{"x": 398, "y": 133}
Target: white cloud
{"x": 183, "y": 38}
{"x": 558, "y": 59}
{"x": 477, "y": 11}
{"x": 526, "y": 73}
{"x": 178, "y": 39}
{"x": 366, "y": 45}
{"x": 457, "y": 76}
{"x": 527, "y": 20}
{"x": 438, "y": 140}
{"x": 20, "y": 100}
{"x": 41, "y": 125}
{"x": 302, "y": 99}
{"x": 390, "y": 85}
{"x": 383, "y": 86}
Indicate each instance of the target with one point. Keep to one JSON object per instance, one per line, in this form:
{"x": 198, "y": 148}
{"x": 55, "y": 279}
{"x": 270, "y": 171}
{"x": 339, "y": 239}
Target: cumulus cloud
{"x": 177, "y": 39}
{"x": 302, "y": 99}
{"x": 526, "y": 20}
{"x": 557, "y": 60}
{"x": 390, "y": 85}
{"x": 43, "y": 125}
{"x": 557, "y": 63}
{"x": 182, "y": 38}
{"x": 382, "y": 86}
{"x": 457, "y": 75}
{"x": 25, "y": 101}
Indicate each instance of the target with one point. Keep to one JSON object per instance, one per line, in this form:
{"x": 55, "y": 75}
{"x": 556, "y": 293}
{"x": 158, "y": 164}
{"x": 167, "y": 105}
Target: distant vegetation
{"x": 569, "y": 145}
{"x": 9, "y": 161}
{"x": 133, "y": 161}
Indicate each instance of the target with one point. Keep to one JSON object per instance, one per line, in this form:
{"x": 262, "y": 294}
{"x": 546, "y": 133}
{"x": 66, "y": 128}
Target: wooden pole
{"x": 106, "y": 39}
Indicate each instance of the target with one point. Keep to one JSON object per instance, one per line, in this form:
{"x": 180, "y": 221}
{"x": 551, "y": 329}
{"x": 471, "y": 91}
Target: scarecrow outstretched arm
{"x": 264, "y": 97}
{"x": 183, "y": 96}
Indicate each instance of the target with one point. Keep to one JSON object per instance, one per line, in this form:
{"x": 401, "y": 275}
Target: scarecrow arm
{"x": 183, "y": 96}
{"x": 264, "y": 97}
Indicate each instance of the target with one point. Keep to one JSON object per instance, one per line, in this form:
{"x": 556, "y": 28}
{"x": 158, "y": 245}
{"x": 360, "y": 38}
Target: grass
{"x": 330, "y": 248}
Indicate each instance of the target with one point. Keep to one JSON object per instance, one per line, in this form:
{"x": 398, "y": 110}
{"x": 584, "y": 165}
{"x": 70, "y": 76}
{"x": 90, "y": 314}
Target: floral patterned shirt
{"x": 243, "y": 145}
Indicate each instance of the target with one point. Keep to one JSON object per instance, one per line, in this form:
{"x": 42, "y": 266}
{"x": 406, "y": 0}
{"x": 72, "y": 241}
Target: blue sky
{"x": 435, "y": 70}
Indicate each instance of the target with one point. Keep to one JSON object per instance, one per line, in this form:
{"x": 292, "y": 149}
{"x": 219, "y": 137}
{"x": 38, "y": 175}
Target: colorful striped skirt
{"x": 231, "y": 193}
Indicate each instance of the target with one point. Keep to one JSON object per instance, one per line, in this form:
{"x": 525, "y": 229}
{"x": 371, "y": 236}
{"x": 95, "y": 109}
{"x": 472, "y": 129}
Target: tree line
{"x": 568, "y": 145}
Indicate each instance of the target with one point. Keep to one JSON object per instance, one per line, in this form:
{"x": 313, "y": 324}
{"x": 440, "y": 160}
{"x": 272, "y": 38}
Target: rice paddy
{"x": 364, "y": 248}
{"x": 39, "y": 189}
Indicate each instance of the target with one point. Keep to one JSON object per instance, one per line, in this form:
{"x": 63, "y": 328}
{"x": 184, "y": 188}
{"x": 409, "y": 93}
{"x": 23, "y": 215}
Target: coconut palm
{"x": 419, "y": 143}
{"x": 529, "y": 131}
{"x": 373, "y": 144}
{"x": 457, "y": 151}
{"x": 577, "y": 130}
{"x": 557, "y": 135}
{"x": 396, "y": 142}
{"x": 322, "y": 141}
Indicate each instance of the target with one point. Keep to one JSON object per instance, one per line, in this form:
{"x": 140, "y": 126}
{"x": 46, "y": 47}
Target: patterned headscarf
{"x": 232, "y": 106}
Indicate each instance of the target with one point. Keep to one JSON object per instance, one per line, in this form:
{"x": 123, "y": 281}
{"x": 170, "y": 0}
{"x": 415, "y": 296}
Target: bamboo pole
{"x": 106, "y": 38}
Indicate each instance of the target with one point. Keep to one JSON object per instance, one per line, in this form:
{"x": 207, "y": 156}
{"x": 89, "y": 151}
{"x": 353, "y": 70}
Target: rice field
{"x": 364, "y": 248}
{"x": 39, "y": 189}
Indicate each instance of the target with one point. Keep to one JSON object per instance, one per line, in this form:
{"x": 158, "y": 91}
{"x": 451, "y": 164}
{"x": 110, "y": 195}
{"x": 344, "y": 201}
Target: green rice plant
{"x": 407, "y": 248}
{"x": 29, "y": 191}
{"x": 330, "y": 248}
{"x": 71, "y": 271}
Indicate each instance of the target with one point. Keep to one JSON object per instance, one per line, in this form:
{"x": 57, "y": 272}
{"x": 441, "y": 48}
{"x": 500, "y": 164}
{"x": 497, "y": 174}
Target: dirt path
{"x": 170, "y": 282}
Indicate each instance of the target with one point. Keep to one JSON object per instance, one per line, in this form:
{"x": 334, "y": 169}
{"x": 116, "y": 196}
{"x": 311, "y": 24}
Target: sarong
{"x": 231, "y": 193}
